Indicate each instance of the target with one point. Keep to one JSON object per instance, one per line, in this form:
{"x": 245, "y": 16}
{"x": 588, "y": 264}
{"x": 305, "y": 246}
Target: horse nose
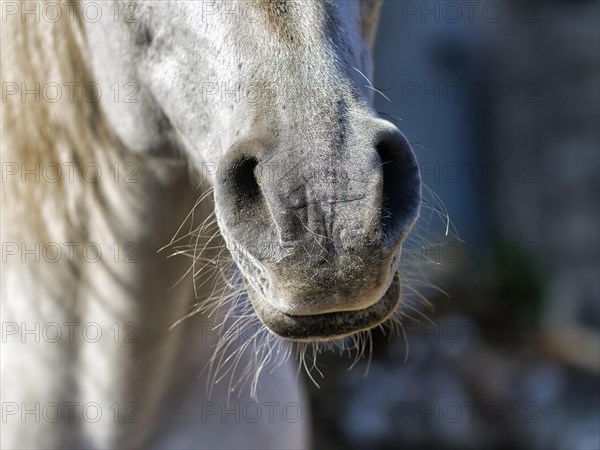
{"x": 368, "y": 191}
{"x": 400, "y": 187}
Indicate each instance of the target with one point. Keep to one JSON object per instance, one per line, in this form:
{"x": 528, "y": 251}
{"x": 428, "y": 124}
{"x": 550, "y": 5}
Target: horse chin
{"x": 327, "y": 326}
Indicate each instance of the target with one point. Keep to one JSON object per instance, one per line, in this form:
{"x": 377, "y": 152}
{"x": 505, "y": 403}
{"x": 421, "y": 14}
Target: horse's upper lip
{"x": 327, "y": 326}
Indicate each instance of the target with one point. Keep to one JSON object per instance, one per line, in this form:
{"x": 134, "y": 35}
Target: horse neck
{"x": 145, "y": 297}
{"x": 131, "y": 294}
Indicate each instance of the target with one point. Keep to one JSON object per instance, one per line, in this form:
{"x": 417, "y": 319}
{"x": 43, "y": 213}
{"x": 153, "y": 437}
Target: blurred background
{"x": 500, "y": 100}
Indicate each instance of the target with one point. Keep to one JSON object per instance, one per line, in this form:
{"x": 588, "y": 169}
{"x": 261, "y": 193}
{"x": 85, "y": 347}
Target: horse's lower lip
{"x": 328, "y": 326}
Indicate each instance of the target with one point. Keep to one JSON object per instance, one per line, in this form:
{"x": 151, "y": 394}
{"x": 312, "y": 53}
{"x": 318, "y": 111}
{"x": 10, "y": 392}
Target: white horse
{"x": 243, "y": 128}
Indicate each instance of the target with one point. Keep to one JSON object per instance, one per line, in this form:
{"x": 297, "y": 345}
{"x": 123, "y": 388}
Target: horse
{"x": 192, "y": 192}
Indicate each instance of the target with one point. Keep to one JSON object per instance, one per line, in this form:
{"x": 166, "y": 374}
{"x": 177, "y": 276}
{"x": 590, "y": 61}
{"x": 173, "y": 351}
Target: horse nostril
{"x": 243, "y": 181}
{"x": 401, "y": 190}
{"x": 241, "y": 207}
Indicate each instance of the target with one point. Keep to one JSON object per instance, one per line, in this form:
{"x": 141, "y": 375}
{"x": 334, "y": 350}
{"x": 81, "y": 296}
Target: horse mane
{"x": 37, "y": 133}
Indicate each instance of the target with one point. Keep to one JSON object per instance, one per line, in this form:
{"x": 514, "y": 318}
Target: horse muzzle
{"x": 317, "y": 230}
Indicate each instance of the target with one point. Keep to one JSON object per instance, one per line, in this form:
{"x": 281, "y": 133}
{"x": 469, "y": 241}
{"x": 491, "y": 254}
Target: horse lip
{"x": 327, "y": 326}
